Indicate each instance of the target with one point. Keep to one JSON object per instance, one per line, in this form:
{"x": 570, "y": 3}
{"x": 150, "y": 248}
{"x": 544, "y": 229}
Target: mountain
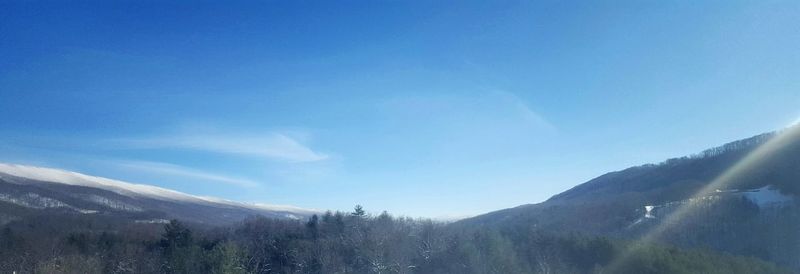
{"x": 26, "y": 190}
{"x": 739, "y": 198}
{"x": 57, "y": 221}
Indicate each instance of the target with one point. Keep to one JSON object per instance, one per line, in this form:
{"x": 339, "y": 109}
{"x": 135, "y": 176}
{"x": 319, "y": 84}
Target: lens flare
{"x": 750, "y": 162}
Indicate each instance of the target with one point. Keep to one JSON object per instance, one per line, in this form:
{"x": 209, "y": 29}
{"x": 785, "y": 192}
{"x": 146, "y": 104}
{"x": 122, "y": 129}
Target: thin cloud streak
{"x": 272, "y": 146}
{"x": 492, "y": 105}
{"x": 176, "y": 170}
{"x": 521, "y": 108}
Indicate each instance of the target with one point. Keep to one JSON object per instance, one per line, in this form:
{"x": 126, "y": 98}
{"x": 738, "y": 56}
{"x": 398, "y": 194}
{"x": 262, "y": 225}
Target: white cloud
{"x": 272, "y": 146}
{"x": 176, "y": 170}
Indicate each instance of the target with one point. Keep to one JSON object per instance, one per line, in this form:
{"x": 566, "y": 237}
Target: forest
{"x": 335, "y": 242}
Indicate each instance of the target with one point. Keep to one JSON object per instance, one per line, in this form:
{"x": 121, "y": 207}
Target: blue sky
{"x": 421, "y": 108}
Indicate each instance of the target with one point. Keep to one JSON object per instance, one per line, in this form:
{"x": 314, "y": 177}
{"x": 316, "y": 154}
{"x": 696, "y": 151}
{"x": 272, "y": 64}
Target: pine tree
{"x": 358, "y": 211}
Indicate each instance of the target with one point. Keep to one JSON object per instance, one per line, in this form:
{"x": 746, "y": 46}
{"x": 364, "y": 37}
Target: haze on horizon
{"x": 421, "y": 109}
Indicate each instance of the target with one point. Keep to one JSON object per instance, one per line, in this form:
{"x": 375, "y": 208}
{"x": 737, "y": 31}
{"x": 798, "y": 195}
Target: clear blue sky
{"x": 421, "y": 108}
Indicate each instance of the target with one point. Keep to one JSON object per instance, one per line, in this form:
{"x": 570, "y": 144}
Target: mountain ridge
{"x": 760, "y": 200}
{"x": 34, "y": 187}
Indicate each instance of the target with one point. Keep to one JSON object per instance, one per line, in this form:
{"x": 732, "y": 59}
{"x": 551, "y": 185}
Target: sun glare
{"x": 746, "y": 164}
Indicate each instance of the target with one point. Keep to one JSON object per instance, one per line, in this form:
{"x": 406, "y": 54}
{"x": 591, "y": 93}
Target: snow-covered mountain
{"x": 37, "y": 188}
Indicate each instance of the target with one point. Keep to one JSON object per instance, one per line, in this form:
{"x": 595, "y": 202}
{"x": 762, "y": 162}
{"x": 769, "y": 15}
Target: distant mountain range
{"x": 680, "y": 201}
{"x": 752, "y": 212}
{"x": 28, "y": 190}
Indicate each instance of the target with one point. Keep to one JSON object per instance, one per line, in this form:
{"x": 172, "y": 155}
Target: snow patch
{"x": 767, "y": 196}
{"x": 33, "y": 200}
{"x": 648, "y": 212}
{"x": 113, "y": 204}
{"x": 152, "y": 221}
{"x": 287, "y": 208}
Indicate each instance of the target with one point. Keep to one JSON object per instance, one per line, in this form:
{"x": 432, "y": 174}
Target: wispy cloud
{"x": 523, "y": 110}
{"x": 272, "y": 146}
{"x": 181, "y": 171}
{"x": 493, "y": 107}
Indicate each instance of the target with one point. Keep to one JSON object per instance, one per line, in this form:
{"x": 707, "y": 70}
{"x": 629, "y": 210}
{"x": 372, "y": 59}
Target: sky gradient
{"x": 421, "y": 108}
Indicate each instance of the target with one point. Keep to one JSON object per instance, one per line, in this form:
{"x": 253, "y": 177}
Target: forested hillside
{"x": 679, "y": 178}
{"x": 353, "y": 242}
{"x": 54, "y": 228}
{"x": 749, "y": 226}
{"x": 753, "y": 212}
{"x": 29, "y": 189}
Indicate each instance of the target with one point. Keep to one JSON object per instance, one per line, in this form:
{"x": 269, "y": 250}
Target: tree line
{"x": 334, "y": 242}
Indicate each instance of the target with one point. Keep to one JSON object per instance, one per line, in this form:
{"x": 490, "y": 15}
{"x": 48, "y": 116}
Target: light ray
{"x": 746, "y": 164}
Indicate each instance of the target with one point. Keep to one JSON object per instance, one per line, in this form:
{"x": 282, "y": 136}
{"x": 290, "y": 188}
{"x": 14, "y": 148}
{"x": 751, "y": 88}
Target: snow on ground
{"x": 766, "y": 196}
{"x": 648, "y": 212}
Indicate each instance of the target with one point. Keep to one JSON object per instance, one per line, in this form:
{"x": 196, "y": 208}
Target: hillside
{"x": 588, "y": 229}
{"x": 26, "y": 190}
{"x": 749, "y": 210}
